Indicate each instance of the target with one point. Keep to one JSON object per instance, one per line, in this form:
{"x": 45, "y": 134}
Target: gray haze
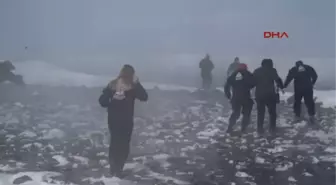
{"x": 165, "y": 38}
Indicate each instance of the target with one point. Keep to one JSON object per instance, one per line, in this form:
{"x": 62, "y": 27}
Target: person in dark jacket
{"x": 206, "y": 67}
{"x": 241, "y": 82}
{"x": 305, "y": 78}
{"x": 233, "y": 67}
{"x": 265, "y": 93}
{"x": 118, "y": 97}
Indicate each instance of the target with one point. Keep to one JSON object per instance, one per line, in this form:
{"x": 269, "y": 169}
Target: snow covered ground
{"x": 178, "y": 139}
{"x": 58, "y": 135}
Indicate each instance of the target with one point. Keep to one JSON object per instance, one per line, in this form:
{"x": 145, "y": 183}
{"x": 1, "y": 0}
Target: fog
{"x": 165, "y": 40}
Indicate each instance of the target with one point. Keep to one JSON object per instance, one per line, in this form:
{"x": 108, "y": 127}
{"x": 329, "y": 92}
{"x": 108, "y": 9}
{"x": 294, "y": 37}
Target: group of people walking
{"x": 119, "y": 96}
{"x": 267, "y": 83}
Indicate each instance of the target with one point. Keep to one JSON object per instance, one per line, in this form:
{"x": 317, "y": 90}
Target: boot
{"x": 232, "y": 122}
{"x": 112, "y": 170}
{"x": 312, "y": 120}
{"x": 272, "y": 131}
{"x": 260, "y": 131}
{"x": 297, "y": 119}
{"x": 120, "y": 174}
{"x": 244, "y": 127}
{"x": 229, "y": 130}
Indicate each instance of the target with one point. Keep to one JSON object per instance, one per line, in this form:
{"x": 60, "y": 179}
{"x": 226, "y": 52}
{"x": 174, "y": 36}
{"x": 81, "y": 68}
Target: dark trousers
{"x": 270, "y": 103}
{"x": 308, "y": 96}
{"x": 206, "y": 80}
{"x": 240, "y": 107}
{"x": 119, "y": 146}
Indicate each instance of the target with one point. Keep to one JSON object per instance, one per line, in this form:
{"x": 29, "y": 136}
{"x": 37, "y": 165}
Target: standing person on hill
{"x": 233, "y": 67}
{"x": 241, "y": 82}
{"x": 305, "y": 78}
{"x": 265, "y": 93}
{"x": 118, "y": 97}
{"x": 206, "y": 67}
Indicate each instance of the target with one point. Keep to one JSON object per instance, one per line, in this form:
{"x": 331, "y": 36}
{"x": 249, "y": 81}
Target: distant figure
{"x": 206, "y": 67}
{"x": 266, "y": 95}
{"x": 241, "y": 82}
{"x": 233, "y": 67}
{"x": 305, "y": 78}
{"x": 6, "y": 73}
{"x": 118, "y": 97}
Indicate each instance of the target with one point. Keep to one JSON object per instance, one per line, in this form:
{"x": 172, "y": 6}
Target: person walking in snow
{"x": 118, "y": 97}
{"x": 305, "y": 78}
{"x": 233, "y": 67}
{"x": 265, "y": 93}
{"x": 241, "y": 82}
{"x": 206, "y": 67}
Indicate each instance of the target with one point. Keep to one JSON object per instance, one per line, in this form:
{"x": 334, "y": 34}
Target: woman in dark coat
{"x": 118, "y": 97}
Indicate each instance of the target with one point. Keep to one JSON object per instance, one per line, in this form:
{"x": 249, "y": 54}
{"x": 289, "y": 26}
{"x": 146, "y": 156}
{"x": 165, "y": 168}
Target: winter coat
{"x": 241, "y": 82}
{"x": 266, "y": 77}
{"x": 304, "y": 77}
{"x": 121, "y": 112}
{"x": 206, "y": 66}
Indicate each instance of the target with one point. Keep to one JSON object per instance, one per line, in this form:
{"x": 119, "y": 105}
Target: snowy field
{"x": 58, "y": 135}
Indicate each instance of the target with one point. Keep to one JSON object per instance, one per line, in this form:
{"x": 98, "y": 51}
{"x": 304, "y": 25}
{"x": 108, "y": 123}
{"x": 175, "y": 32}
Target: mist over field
{"x": 54, "y": 131}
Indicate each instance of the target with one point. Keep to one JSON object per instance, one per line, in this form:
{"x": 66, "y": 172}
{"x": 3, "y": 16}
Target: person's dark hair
{"x": 236, "y": 59}
{"x": 298, "y": 63}
{"x": 267, "y": 62}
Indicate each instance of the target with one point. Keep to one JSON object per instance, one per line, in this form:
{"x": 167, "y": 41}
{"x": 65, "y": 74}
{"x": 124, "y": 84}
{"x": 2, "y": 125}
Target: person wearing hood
{"x": 206, "y": 67}
{"x": 305, "y": 78}
{"x": 233, "y": 67}
{"x": 119, "y": 97}
{"x": 240, "y": 82}
{"x": 265, "y": 93}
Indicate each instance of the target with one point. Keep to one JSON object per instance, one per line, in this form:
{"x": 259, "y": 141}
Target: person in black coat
{"x": 206, "y": 67}
{"x": 233, "y": 67}
{"x": 305, "y": 78}
{"x": 240, "y": 82}
{"x": 118, "y": 97}
{"x": 265, "y": 93}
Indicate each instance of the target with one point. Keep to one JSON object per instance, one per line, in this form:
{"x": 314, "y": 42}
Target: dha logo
{"x": 272, "y": 35}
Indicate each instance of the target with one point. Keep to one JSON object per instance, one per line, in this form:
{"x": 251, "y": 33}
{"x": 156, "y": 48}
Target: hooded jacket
{"x": 266, "y": 77}
{"x": 240, "y": 82}
{"x": 304, "y": 77}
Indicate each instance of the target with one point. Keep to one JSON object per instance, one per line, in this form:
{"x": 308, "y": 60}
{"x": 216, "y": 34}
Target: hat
{"x": 242, "y": 66}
